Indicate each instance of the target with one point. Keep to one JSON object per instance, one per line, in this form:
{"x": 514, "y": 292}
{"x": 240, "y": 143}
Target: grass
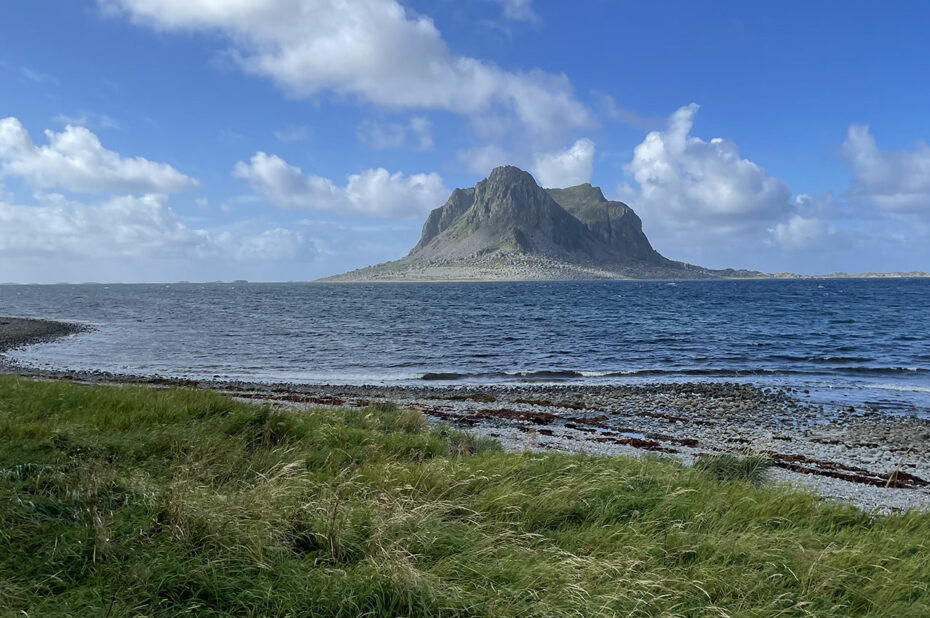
{"x": 119, "y": 501}
{"x": 751, "y": 468}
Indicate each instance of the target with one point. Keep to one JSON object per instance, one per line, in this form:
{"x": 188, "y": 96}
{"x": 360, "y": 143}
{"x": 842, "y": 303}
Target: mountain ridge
{"x": 507, "y": 227}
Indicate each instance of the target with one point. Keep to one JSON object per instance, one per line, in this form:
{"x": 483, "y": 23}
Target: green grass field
{"x": 126, "y": 501}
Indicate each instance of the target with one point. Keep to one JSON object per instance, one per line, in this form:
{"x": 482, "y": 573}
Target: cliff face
{"x": 508, "y": 227}
{"x": 612, "y": 223}
{"x": 441, "y": 218}
{"x": 508, "y": 211}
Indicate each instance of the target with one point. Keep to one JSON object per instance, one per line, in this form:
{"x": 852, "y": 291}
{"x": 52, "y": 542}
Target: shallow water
{"x": 846, "y": 340}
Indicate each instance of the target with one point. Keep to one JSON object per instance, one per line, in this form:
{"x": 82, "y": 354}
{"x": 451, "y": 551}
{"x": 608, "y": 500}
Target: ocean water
{"x": 861, "y": 342}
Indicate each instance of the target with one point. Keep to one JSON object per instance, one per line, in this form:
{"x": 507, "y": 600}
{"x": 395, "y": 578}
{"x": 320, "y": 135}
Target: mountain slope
{"x": 613, "y": 223}
{"x": 509, "y": 228}
{"x": 509, "y": 212}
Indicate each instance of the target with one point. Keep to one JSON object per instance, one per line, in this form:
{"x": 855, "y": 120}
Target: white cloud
{"x": 701, "y": 189}
{"x": 142, "y": 227}
{"x": 798, "y": 231}
{"x": 561, "y": 168}
{"x": 394, "y": 135}
{"x": 892, "y": 180}
{"x": 75, "y": 160}
{"x": 372, "y": 49}
{"x": 567, "y": 168}
{"x": 121, "y": 226}
{"x": 372, "y": 192}
{"x": 272, "y": 245}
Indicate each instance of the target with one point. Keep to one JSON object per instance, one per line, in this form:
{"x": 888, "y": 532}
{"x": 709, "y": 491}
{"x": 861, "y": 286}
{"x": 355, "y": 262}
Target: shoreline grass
{"x": 125, "y": 501}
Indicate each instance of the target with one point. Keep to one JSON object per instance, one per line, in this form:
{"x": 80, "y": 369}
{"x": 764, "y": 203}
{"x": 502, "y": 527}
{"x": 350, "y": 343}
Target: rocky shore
{"x": 865, "y": 456}
{"x": 17, "y": 332}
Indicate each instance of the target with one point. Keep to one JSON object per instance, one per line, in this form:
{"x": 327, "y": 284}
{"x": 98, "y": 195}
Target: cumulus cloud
{"x": 75, "y": 160}
{"x": 798, "y": 231}
{"x": 372, "y": 49}
{"x": 687, "y": 184}
{"x": 813, "y": 220}
{"x": 560, "y": 168}
{"x": 128, "y": 227}
{"x": 271, "y": 245}
{"x": 568, "y": 167}
{"x": 374, "y": 192}
{"x": 891, "y": 180}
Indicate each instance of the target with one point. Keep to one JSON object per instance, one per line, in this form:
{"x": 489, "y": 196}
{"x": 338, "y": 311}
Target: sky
{"x": 286, "y": 140}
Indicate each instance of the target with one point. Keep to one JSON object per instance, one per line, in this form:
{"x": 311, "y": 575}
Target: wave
{"x": 711, "y": 372}
{"x": 542, "y": 374}
{"x": 900, "y": 387}
{"x": 819, "y": 359}
{"x": 444, "y": 375}
{"x": 726, "y": 372}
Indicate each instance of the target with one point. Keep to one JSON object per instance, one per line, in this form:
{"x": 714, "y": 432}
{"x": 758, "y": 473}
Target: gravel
{"x": 17, "y": 332}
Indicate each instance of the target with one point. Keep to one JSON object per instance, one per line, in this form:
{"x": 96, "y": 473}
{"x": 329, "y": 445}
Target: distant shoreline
{"x": 338, "y": 279}
{"x": 786, "y": 277}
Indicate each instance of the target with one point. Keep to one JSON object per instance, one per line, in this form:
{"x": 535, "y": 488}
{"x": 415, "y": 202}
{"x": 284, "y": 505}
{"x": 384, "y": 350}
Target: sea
{"x": 858, "y": 342}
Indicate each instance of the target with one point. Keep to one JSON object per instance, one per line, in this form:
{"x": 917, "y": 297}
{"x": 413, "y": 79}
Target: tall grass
{"x": 751, "y": 468}
{"x": 119, "y": 501}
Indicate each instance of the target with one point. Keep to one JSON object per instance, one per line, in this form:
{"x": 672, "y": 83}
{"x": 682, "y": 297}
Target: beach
{"x": 868, "y": 457}
{"x": 16, "y": 332}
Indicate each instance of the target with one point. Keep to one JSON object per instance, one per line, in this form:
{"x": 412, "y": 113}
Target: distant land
{"x": 508, "y": 228}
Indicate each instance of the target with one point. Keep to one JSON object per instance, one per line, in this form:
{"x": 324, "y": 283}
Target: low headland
{"x": 226, "y": 498}
{"x": 16, "y": 332}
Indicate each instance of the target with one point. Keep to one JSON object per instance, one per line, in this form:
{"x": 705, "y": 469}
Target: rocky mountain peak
{"x": 510, "y": 189}
{"x": 509, "y": 175}
{"x": 509, "y": 211}
{"x": 508, "y": 227}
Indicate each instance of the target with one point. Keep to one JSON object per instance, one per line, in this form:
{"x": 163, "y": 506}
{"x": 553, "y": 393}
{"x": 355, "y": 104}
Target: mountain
{"x": 507, "y": 227}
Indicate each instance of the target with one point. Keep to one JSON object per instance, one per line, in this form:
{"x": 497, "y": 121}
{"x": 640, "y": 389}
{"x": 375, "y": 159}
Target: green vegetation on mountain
{"x": 131, "y": 501}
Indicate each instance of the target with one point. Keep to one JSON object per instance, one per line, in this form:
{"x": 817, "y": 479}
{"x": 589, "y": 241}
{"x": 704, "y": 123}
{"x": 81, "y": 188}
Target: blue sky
{"x": 162, "y": 140}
